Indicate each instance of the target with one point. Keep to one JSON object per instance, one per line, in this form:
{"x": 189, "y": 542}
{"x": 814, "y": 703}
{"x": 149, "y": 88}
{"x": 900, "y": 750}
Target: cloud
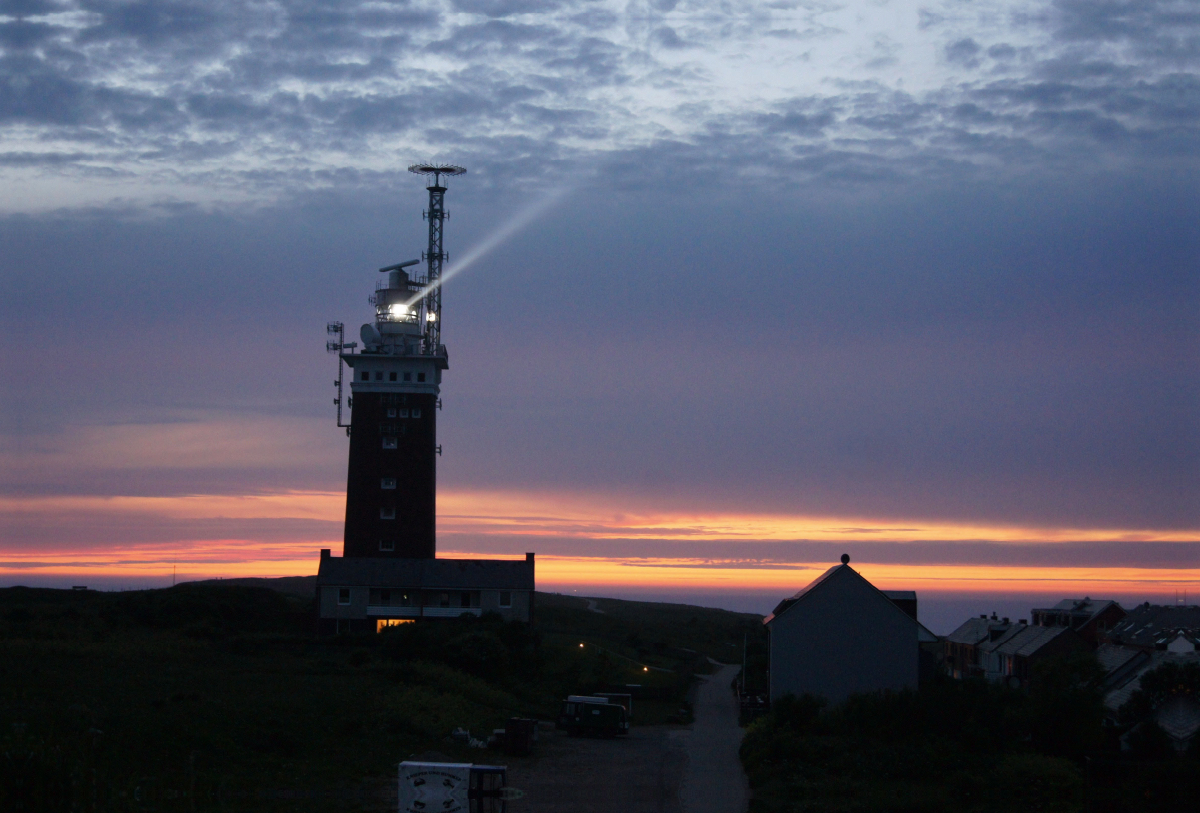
{"x": 303, "y": 91}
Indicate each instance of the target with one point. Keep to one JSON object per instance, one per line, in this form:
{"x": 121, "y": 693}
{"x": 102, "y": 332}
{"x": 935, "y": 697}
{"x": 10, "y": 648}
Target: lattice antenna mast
{"x": 435, "y": 255}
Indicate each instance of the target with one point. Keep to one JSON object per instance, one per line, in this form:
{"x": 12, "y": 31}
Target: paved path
{"x": 639, "y": 773}
{"x": 656, "y": 769}
{"x": 713, "y": 781}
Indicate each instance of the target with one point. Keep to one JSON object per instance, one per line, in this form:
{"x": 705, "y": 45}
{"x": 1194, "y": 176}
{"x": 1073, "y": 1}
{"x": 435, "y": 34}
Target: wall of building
{"x": 489, "y": 601}
{"x": 389, "y": 446}
{"x": 841, "y": 638}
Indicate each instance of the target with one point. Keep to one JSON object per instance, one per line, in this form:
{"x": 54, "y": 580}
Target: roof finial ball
{"x": 845, "y": 558}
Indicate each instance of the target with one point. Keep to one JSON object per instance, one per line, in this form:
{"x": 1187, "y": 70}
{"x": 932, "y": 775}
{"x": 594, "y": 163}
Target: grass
{"x": 207, "y": 692}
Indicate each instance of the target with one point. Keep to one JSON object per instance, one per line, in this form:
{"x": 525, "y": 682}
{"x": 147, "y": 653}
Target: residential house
{"x": 841, "y": 635}
{"x": 961, "y": 654}
{"x": 1152, "y": 627}
{"x": 1017, "y": 654}
{"x": 1090, "y": 618}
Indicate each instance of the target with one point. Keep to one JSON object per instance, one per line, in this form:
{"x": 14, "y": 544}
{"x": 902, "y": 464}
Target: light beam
{"x": 494, "y": 240}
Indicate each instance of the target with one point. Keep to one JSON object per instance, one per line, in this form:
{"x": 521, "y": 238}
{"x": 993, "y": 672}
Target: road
{"x": 713, "y": 781}
{"x": 656, "y": 769}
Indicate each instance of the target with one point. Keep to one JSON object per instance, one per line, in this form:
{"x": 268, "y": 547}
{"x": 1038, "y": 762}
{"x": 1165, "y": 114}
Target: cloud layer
{"x": 221, "y": 100}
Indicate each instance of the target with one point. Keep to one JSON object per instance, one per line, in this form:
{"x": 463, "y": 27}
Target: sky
{"x": 739, "y": 287}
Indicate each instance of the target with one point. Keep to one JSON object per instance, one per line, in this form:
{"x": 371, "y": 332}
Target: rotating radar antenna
{"x": 434, "y": 256}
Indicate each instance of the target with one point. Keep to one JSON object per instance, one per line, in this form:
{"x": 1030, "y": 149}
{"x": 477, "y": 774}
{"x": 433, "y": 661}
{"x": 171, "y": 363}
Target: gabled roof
{"x": 1147, "y": 624}
{"x": 972, "y": 631}
{"x": 1029, "y": 640}
{"x": 1121, "y": 693}
{"x": 788, "y": 602}
{"x": 432, "y": 574}
{"x": 1005, "y": 637}
{"x": 1078, "y": 606}
{"x": 1112, "y": 657}
{"x": 923, "y": 634}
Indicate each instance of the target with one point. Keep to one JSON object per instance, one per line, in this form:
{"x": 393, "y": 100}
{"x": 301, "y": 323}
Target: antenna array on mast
{"x": 434, "y": 254}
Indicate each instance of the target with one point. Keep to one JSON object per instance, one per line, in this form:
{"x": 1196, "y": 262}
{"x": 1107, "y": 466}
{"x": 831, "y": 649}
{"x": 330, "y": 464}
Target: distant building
{"x": 841, "y": 635}
{"x": 368, "y": 594}
{"x": 1151, "y": 627}
{"x": 1178, "y": 715}
{"x": 962, "y": 653}
{"x": 1088, "y": 617}
{"x": 1015, "y": 654}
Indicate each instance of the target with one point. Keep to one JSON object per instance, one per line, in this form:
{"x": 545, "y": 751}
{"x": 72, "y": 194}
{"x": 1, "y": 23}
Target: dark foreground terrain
{"x": 219, "y": 696}
{"x": 966, "y": 747}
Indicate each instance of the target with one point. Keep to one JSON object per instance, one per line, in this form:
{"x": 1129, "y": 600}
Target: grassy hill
{"x": 220, "y": 690}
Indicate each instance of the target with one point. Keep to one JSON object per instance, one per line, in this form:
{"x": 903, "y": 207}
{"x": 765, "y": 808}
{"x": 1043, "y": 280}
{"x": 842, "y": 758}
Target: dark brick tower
{"x": 391, "y": 483}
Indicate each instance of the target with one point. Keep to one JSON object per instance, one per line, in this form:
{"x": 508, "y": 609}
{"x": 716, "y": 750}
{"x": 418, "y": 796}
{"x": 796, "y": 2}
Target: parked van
{"x": 593, "y": 715}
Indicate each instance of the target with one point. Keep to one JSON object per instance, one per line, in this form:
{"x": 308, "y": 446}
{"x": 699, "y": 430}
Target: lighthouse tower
{"x": 395, "y": 380}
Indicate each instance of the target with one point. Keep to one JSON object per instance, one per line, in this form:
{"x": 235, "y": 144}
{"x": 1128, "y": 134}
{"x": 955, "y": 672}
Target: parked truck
{"x": 593, "y": 715}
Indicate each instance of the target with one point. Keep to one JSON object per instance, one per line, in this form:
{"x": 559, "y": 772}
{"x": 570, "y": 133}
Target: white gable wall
{"x": 840, "y": 638}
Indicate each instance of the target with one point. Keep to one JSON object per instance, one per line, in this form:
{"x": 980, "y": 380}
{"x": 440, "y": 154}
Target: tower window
{"x": 387, "y": 482}
{"x": 343, "y": 595}
{"x": 505, "y": 598}
{"x": 387, "y": 544}
{"x": 408, "y": 376}
{"x": 420, "y": 376}
{"x": 379, "y": 375}
{"x": 389, "y": 443}
{"x": 387, "y": 513}
{"x": 366, "y": 376}
{"x": 391, "y": 376}
{"x": 416, "y": 413}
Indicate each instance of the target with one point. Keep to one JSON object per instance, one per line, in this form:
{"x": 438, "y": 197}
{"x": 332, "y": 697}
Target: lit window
{"x": 387, "y": 513}
{"x": 383, "y": 623}
{"x": 408, "y": 376}
{"x": 420, "y": 376}
{"x": 389, "y": 443}
{"x": 391, "y": 376}
{"x": 387, "y": 544}
{"x": 387, "y": 482}
{"x": 343, "y": 595}
{"x": 366, "y": 376}
{"x": 505, "y": 598}
{"x": 379, "y": 375}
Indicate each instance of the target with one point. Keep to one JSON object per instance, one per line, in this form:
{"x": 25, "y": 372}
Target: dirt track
{"x": 656, "y": 769}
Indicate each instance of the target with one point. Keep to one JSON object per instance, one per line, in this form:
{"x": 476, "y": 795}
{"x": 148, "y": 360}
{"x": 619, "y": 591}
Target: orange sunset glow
{"x": 525, "y": 519}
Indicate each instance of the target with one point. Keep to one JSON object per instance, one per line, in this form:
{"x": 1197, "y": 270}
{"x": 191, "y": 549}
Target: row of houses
{"x": 1127, "y": 644}
{"x": 841, "y": 635}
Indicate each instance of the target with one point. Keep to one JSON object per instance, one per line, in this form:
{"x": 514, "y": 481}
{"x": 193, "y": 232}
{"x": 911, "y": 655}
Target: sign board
{"x": 435, "y": 787}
